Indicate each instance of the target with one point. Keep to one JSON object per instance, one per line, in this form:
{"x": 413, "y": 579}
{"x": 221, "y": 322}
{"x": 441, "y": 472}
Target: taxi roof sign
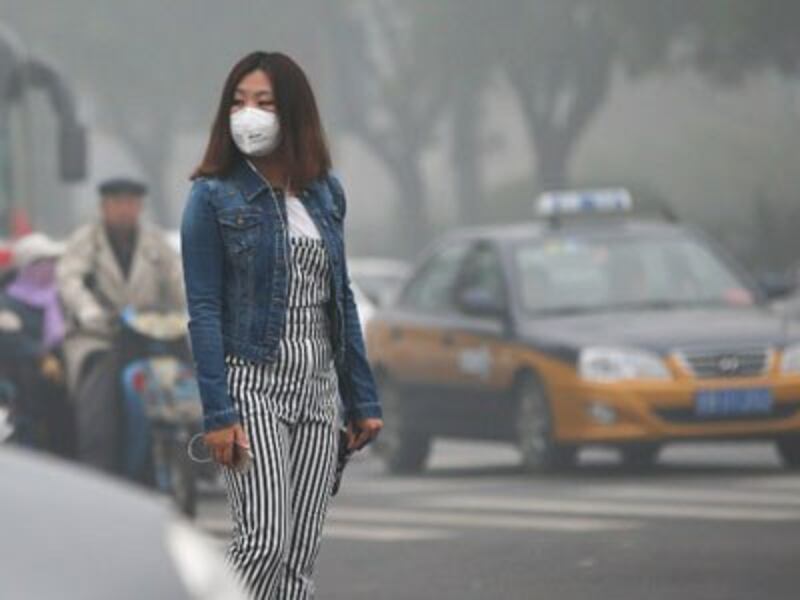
{"x": 583, "y": 202}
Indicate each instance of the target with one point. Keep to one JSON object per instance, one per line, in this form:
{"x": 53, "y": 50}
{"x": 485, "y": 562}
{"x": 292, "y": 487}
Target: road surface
{"x": 709, "y": 522}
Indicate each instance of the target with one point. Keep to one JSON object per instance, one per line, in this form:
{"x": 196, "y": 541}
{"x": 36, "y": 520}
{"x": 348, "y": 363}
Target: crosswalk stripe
{"x": 408, "y": 486}
{"x": 478, "y": 519}
{"x": 597, "y": 508}
{"x": 221, "y": 529}
{"x": 382, "y": 534}
{"x": 716, "y": 496}
{"x": 399, "y": 485}
{"x": 775, "y": 483}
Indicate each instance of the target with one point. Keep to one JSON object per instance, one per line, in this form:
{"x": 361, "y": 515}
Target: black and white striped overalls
{"x": 289, "y": 410}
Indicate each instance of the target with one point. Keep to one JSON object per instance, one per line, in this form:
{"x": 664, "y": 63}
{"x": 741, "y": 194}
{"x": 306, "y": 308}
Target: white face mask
{"x": 255, "y": 132}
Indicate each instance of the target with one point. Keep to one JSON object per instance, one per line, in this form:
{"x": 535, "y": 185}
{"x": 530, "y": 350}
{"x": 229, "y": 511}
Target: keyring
{"x": 191, "y": 454}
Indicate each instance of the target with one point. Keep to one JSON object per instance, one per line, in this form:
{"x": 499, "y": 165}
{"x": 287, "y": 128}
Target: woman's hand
{"x": 221, "y": 443}
{"x": 362, "y": 431}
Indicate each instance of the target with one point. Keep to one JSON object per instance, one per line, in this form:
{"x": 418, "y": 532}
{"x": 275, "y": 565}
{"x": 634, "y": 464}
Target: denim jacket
{"x": 235, "y": 241}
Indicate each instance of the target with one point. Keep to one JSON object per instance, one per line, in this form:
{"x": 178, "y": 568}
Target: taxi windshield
{"x": 570, "y": 275}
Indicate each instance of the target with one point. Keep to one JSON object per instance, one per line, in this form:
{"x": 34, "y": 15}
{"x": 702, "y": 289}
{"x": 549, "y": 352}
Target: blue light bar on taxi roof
{"x": 583, "y": 202}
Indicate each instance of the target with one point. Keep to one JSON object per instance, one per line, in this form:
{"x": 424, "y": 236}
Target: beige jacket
{"x": 155, "y": 279}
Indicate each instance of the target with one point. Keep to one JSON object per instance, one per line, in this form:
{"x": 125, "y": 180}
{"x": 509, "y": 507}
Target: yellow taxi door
{"x": 418, "y": 349}
{"x": 477, "y": 334}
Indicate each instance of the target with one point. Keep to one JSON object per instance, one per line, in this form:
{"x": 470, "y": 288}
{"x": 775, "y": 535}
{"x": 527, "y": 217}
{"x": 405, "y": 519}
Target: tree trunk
{"x": 553, "y": 153}
{"x": 561, "y": 101}
{"x": 413, "y": 230}
{"x": 466, "y": 158}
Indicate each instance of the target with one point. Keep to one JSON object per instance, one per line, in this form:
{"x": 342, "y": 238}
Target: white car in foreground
{"x": 70, "y": 533}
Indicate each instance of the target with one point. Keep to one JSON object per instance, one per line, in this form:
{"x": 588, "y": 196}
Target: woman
{"x": 274, "y": 327}
{"x": 31, "y": 346}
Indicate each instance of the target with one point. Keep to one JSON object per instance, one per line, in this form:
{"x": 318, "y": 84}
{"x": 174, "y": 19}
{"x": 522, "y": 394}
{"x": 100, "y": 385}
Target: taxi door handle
{"x": 395, "y": 333}
{"x": 448, "y": 339}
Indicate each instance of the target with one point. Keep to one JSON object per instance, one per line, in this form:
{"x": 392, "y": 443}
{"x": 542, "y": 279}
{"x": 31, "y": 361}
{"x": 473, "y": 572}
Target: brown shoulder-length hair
{"x": 303, "y": 149}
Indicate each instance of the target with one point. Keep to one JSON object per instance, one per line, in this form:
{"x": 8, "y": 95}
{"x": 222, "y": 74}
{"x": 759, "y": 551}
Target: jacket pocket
{"x": 241, "y": 227}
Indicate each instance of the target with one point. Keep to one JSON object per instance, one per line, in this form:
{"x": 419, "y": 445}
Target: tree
{"x": 452, "y": 38}
{"x": 725, "y": 40}
{"x": 558, "y": 56}
{"x": 387, "y": 100}
{"x": 559, "y": 59}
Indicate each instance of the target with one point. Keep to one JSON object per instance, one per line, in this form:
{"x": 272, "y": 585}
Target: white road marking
{"x": 401, "y": 486}
{"x": 221, "y": 529}
{"x": 791, "y": 483}
{"x": 382, "y": 534}
{"x": 715, "y": 496}
{"x": 613, "y": 508}
{"x": 477, "y": 519}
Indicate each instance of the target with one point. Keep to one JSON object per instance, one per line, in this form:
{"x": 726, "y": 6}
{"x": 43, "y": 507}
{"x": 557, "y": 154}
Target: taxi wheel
{"x": 789, "y": 449}
{"x": 402, "y": 448}
{"x": 534, "y": 427}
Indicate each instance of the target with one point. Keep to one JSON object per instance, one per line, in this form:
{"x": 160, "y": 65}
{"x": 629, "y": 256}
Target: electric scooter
{"x": 161, "y": 405}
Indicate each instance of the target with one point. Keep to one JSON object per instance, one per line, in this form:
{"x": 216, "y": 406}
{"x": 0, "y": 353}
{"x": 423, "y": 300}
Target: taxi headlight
{"x": 790, "y": 361}
{"x": 617, "y": 364}
{"x": 200, "y": 566}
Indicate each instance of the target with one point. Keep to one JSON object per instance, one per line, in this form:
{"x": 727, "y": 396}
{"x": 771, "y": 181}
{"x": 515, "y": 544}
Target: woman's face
{"x": 255, "y": 91}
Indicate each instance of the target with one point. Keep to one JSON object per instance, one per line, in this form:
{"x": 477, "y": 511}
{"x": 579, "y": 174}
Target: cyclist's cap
{"x": 119, "y": 186}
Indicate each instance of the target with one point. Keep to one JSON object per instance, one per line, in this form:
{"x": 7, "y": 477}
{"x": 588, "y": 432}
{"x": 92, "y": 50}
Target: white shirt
{"x": 300, "y": 222}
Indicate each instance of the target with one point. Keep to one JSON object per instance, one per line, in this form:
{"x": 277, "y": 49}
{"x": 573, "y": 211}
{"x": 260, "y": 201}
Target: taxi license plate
{"x": 733, "y": 403}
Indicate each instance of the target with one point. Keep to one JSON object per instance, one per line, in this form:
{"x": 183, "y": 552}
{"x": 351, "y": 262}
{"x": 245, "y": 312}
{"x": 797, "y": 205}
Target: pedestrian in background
{"x": 31, "y": 354}
{"x": 274, "y": 327}
{"x": 109, "y": 265}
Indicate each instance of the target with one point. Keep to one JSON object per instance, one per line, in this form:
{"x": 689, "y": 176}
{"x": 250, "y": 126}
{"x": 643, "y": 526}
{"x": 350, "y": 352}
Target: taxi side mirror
{"x": 480, "y": 302}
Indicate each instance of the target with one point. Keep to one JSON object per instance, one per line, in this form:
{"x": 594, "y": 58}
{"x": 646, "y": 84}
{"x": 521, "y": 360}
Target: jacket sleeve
{"x": 173, "y": 277}
{"x": 202, "y": 253}
{"x": 71, "y": 272}
{"x": 356, "y": 381}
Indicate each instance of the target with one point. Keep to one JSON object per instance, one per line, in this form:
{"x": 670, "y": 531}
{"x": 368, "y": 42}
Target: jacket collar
{"x": 247, "y": 180}
{"x": 251, "y": 183}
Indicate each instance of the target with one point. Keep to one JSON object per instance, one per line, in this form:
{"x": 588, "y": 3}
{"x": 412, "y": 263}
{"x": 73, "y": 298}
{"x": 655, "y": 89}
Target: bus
{"x": 42, "y": 145}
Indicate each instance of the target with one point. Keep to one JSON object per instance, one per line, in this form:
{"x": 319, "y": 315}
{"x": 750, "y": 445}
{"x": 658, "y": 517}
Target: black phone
{"x": 342, "y": 457}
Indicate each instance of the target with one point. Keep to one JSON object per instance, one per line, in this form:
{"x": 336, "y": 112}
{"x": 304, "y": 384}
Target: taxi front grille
{"x": 726, "y": 363}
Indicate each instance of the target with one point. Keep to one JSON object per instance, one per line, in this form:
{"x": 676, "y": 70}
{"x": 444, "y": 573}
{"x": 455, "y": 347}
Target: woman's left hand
{"x": 362, "y": 431}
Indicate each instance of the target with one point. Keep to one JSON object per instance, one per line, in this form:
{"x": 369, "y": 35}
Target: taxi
{"x": 585, "y": 327}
